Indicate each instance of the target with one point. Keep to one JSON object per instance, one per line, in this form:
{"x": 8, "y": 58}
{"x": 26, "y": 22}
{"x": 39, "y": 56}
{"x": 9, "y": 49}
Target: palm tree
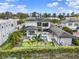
{"x": 37, "y": 38}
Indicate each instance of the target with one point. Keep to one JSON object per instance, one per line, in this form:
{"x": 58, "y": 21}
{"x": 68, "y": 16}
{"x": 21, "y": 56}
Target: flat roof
{"x": 36, "y": 19}
{"x": 6, "y": 20}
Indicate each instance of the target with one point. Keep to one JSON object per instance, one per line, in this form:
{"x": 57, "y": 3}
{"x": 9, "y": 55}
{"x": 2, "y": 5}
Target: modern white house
{"x": 47, "y": 30}
{"x": 71, "y": 22}
{"x": 7, "y": 26}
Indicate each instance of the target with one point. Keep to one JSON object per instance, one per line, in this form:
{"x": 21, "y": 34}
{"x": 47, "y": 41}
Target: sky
{"x": 41, "y": 6}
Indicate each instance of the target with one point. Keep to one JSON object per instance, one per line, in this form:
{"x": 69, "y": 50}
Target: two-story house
{"x": 47, "y": 30}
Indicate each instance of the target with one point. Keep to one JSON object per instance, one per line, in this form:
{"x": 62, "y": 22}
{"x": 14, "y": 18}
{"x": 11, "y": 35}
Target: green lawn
{"x": 37, "y": 44}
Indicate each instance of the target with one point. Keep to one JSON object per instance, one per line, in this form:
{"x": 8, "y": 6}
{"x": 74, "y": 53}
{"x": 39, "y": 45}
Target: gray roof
{"x": 71, "y": 19}
{"x": 36, "y": 19}
{"x": 57, "y": 31}
{"x": 60, "y": 33}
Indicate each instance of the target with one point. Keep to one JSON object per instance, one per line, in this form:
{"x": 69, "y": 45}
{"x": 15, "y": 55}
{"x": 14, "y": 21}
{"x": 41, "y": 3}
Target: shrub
{"x": 68, "y": 30}
{"x": 13, "y": 38}
{"x": 76, "y": 41}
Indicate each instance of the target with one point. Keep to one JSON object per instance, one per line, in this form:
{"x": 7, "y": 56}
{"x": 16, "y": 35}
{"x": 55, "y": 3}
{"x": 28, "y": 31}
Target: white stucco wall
{"x": 30, "y": 23}
{"x": 7, "y": 29}
{"x": 34, "y": 23}
{"x": 66, "y": 41}
{"x": 63, "y": 41}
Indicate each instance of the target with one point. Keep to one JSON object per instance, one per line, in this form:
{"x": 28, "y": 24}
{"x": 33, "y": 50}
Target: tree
{"x": 37, "y": 38}
{"x": 63, "y": 14}
{"x": 55, "y": 20}
{"x": 68, "y": 15}
{"x": 76, "y": 41}
{"x": 48, "y": 15}
{"x": 34, "y": 14}
{"x": 61, "y": 17}
{"x": 22, "y": 15}
{"x": 45, "y": 15}
{"x": 76, "y": 15}
{"x": 15, "y": 37}
{"x": 2, "y": 16}
{"x": 6, "y": 15}
{"x": 72, "y": 14}
{"x": 54, "y": 15}
{"x": 68, "y": 30}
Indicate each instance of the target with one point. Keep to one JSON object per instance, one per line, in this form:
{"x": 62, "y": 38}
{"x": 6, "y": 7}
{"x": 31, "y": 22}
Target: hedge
{"x": 20, "y": 51}
{"x": 68, "y": 49}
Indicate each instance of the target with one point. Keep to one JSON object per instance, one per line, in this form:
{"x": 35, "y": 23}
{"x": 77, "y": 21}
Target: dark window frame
{"x": 39, "y": 23}
{"x": 45, "y": 24}
{"x": 12, "y": 25}
{"x": 31, "y": 32}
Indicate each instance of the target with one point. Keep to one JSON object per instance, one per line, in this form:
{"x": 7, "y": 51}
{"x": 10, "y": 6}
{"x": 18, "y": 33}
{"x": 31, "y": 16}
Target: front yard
{"x": 15, "y": 40}
{"x": 37, "y": 44}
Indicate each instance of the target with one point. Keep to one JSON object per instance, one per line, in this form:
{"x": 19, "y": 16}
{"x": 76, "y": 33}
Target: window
{"x": 70, "y": 24}
{"x": 6, "y": 25}
{"x": 39, "y": 29}
{"x": 44, "y": 37}
{"x": 46, "y": 30}
{"x": 45, "y": 24}
{"x": 11, "y": 25}
{"x": 39, "y": 24}
{"x": 31, "y": 32}
{"x": 2, "y": 26}
{"x": 3, "y": 35}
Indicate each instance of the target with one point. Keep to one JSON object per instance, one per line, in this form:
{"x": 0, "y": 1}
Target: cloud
{"x": 60, "y": 8}
{"x": 59, "y": 0}
{"x": 12, "y": 8}
{"x": 21, "y": 8}
{"x": 73, "y": 3}
{"x": 11, "y": 0}
{"x": 5, "y": 6}
{"x": 56, "y": 0}
{"x": 54, "y": 4}
{"x": 64, "y": 10}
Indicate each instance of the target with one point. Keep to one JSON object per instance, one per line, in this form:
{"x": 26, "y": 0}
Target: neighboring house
{"x": 62, "y": 37}
{"x": 6, "y": 27}
{"x": 47, "y": 30}
{"x": 71, "y": 23}
{"x": 52, "y": 18}
{"x": 76, "y": 34}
